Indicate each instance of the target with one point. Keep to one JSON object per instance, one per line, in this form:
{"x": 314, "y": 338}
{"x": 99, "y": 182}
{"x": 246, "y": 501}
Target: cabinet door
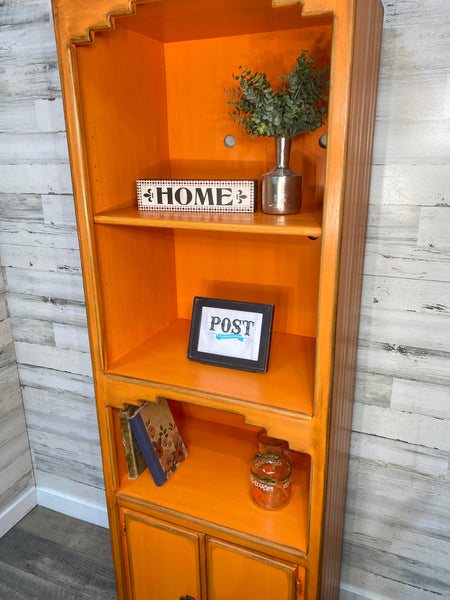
{"x": 235, "y": 573}
{"x": 164, "y": 560}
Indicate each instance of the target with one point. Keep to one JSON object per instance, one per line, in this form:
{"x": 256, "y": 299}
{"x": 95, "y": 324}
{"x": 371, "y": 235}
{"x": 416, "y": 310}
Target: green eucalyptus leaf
{"x": 298, "y": 107}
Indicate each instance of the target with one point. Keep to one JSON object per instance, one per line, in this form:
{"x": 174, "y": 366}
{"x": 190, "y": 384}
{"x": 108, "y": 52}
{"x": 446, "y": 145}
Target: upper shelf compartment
{"x": 154, "y": 106}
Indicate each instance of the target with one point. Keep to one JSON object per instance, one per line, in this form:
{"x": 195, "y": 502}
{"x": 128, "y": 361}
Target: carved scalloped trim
{"x": 110, "y": 17}
{"x": 109, "y": 23}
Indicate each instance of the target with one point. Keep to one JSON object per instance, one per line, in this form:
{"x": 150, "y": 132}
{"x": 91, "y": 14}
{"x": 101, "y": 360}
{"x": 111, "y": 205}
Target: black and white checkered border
{"x": 144, "y": 183}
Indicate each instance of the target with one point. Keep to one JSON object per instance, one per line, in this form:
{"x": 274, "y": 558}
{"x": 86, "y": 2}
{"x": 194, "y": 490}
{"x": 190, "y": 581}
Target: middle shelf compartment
{"x": 148, "y": 279}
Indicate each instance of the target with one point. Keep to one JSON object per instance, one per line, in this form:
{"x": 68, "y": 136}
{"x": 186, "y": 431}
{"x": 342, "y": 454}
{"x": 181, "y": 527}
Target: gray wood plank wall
{"x": 397, "y": 536}
{"x": 41, "y": 266}
{"x": 16, "y": 473}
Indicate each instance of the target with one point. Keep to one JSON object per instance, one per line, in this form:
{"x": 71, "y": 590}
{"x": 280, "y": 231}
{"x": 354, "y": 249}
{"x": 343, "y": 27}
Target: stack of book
{"x": 151, "y": 438}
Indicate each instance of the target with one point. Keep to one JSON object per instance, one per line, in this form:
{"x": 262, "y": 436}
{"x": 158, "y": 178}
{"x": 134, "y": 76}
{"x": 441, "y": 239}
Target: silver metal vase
{"x": 281, "y": 188}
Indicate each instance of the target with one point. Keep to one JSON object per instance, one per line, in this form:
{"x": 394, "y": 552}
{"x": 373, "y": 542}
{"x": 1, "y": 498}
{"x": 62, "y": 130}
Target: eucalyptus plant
{"x": 300, "y": 106}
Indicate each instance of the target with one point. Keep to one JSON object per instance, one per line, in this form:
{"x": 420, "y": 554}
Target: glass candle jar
{"x": 270, "y": 473}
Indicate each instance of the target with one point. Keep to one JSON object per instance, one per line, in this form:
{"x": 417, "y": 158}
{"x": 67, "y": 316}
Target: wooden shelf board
{"x": 302, "y": 224}
{"x": 212, "y": 486}
{"x": 288, "y": 384}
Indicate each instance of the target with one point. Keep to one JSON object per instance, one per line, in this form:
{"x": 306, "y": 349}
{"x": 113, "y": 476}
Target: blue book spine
{"x": 146, "y": 446}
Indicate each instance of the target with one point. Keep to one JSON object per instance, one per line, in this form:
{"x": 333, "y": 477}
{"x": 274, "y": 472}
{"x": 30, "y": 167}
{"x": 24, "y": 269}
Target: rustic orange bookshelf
{"x": 143, "y": 85}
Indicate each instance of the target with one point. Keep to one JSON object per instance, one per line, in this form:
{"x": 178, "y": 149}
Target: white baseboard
{"x": 18, "y": 509}
{"x": 72, "y": 506}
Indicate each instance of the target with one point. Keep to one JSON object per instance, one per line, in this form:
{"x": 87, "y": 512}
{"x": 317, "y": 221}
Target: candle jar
{"x": 270, "y": 473}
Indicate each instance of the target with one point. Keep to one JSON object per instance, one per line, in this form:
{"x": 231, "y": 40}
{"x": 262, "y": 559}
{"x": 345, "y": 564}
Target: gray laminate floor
{"x": 48, "y": 556}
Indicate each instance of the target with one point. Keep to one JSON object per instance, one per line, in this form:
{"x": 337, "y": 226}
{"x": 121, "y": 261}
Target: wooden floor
{"x": 48, "y": 556}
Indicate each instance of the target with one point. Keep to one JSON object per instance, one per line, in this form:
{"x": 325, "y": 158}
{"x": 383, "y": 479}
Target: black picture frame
{"x": 231, "y": 333}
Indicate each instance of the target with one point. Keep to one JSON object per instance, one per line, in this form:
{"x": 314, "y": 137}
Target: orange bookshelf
{"x": 143, "y": 85}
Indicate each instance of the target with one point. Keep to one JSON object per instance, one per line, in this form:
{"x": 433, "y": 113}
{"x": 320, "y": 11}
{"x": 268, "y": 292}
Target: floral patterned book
{"x": 159, "y": 439}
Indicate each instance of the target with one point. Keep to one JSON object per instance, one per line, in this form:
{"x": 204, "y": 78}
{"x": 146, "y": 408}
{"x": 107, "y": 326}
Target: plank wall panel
{"x": 403, "y": 362}
{"x": 44, "y": 259}
{"x": 46, "y": 284}
{"x": 47, "y": 308}
{"x": 394, "y": 184}
{"x": 32, "y": 115}
{"x": 414, "y": 295}
{"x": 35, "y": 178}
{"x": 397, "y": 521}
{"x": 377, "y": 326}
{"x": 433, "y": 230}
{"x": 16, "y": 473}
{"x": 421, "y": 398}
{"x": 27, "y": 55}
{"x": 41, "y": 265}
{"x": 18, "y": 148}
{"x": 406, "y": 262}
{"x": 35, "y": 377}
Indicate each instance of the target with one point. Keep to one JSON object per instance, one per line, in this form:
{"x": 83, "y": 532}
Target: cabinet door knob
{"x": 186, "y": 598}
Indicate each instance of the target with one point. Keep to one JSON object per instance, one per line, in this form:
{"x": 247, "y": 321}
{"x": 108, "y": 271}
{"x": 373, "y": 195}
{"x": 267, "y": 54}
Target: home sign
{"x": 200, "y": 195}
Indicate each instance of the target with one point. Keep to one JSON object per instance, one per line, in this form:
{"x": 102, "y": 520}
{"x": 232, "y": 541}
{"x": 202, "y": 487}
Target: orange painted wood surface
{"x": 283, "y": 272}
{"x": 157, "y": 552}
{"x": 302, "y": 224}
{"x": 236, "y": 573}
{"x": 288, "y": 384}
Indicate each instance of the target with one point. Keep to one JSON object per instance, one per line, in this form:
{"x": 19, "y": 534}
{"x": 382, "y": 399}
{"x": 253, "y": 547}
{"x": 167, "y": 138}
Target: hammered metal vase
{"x": 281, "y": 188}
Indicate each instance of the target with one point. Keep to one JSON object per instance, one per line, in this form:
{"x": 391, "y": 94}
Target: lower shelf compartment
{"x": 212, "y": 485}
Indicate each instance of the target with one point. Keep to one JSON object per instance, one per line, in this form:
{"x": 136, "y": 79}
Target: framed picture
{"x": 229, "y": 333}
